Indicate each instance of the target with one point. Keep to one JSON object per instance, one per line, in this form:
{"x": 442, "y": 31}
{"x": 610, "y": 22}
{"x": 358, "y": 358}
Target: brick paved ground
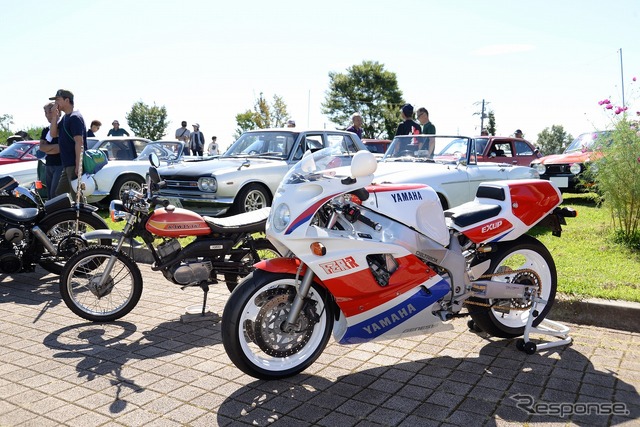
{"x": 153, "y": 369}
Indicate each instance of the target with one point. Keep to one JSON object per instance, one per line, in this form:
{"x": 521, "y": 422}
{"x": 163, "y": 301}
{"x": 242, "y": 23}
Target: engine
{"x": 10, "y": 263}
{"x": 12, "y": 241}
{"x": 191, "y": 272}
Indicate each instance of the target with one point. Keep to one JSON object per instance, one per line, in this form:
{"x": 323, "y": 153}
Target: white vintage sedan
{"x": 118, "y": 176}
{"x": 448, "y": 164}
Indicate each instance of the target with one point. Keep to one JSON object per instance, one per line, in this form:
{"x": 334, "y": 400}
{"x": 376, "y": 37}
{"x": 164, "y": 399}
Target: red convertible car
{"x": 504, "y": 149}
{"x": 20, "y": 151}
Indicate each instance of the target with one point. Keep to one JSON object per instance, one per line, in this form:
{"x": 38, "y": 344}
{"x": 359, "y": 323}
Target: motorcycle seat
{"x": 21, "y": 214}
{"x": 472, "y": 213}
{"x": 248, "y": 222}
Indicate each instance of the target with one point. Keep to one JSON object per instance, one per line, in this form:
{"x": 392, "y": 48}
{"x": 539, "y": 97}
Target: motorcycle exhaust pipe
{"x": 37, "y": 231}
{"x": 488, "y": 289}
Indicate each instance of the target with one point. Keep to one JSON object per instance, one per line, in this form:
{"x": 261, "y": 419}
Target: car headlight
{"x": 575, "y": 168}
{"x": 209, "y": 184}
{"x": 541, "y": 168}
{"x": 281, "y": 216}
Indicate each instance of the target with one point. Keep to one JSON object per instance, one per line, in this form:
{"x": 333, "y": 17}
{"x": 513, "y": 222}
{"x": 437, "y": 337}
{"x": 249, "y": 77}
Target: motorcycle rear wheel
{"x": 251, "y": 326}
{"x": 265, "y": 251}
{"x": 59, "y": 228}
{"x": 79, "y": 284}
{"x": 525, "y": 252}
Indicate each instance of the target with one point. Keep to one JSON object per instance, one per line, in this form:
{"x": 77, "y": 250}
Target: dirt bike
{"x": 103, "y": 283}
{"x": 34, "y": 232}
{"x": 372, "y": 262}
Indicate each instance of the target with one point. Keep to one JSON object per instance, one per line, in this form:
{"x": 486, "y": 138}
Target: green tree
{"x": 369, "y": 89}
{"x": 491, "y": 127}
{"x": 6, "y": 120}
{"x": 554, "y": 140}
{"x": 263, "y": 116}
{"x": 148, "y": 122}
{"x": 618, "y": 179}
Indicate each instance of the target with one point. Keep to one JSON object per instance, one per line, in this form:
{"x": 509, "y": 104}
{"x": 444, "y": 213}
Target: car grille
{"x": 557, "y": 169}
{"x": 182, "y": 185}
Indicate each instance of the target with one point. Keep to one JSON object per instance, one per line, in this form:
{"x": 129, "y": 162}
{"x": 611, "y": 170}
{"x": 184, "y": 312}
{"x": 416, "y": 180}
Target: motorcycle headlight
{"x": 281, "y": 217}
{"x": 208, "y": 184}
{"x": 575, "y": 168}
{"x": 541, "y": 168}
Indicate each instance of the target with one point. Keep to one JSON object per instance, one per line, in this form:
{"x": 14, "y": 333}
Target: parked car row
{"x": 246, "y": 176}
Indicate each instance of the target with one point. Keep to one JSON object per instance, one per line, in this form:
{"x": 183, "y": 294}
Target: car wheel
{"x": 251, "y": 198}
{"x": 125, "y": 183}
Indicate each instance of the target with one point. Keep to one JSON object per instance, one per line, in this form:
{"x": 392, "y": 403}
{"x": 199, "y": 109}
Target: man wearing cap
{"x": 518, "y": 133}
{"x": 72, "y": 136}
{"x": 117, "y": 130}
{"x": 183, "y": 134}
{"x": 408, "y": 126}
{"x": 197, "y": 140}
{"x": 291, "y": 123}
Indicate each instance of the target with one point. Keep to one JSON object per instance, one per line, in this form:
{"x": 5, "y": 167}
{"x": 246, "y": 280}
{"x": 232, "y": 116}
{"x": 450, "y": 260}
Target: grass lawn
{"x": 589, "y": 263}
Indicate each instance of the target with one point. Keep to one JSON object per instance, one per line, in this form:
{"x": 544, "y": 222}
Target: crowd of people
{"x": 194, "y": 141}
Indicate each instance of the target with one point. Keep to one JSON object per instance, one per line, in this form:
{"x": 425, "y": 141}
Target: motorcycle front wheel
{"x": 265, "y": 250}
{"x": 89, "y": 296}
{"x": 252, "y": 331}
{"x": 61, "y": 230}
{"x": 525, "y": 261}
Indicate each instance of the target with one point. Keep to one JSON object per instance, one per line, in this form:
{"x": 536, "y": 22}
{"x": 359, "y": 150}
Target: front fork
{"x": 112, "y": 259}
{"x": 298, "y": 301}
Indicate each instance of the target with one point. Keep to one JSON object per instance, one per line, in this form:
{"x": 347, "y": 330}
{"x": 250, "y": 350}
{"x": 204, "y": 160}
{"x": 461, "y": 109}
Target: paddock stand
{"x": 546, "y": 327}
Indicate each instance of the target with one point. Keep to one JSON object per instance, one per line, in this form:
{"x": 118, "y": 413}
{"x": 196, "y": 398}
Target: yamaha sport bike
{"x": 371, "y": 262}
{"x": 104, "y": 283}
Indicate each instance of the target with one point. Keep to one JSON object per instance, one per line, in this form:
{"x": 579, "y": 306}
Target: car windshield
{"x": 15, "y": 150}
{"x": 588, "y": 142}
{"x": 271, "y": 144}
{"x": 166, "y": 151}
{"x": 427, "y": 148}
{"x": 321, "y": 164}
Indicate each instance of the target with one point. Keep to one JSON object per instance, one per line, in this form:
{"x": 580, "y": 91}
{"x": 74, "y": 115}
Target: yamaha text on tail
{"x": 104, "y": 283}
{"x": 372, "y": 262}
{"x": 33, "y": 232}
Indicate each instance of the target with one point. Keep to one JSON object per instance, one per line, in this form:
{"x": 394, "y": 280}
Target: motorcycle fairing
{"x": 406, "y": 315}
{"x": 523, "y": 203}
{"x": 307, "y": 214}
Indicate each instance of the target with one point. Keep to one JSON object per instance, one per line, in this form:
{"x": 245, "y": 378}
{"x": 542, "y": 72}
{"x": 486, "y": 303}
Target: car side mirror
{"x": 154, "y": 160}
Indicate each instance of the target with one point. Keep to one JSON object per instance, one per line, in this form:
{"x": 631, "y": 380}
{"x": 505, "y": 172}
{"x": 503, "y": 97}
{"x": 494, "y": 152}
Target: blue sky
{"x": 536, "y": 63}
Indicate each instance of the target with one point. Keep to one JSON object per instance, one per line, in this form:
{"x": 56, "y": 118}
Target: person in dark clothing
{"x": 49, "y": 146}
{"x": 196, "y": 142}
{"x": 72, "y": 138}
{"x": 428, "y": 128}
{"x": 95, "y": 127}
{"x": 356, "y": 126}
{"x": 408, "y": 126}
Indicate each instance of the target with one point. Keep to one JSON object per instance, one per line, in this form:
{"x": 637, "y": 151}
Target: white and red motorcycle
{"x": 371, "y": 262}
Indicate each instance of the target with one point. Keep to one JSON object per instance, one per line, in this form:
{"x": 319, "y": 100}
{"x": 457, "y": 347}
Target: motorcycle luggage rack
{"x": 547, "y": 327}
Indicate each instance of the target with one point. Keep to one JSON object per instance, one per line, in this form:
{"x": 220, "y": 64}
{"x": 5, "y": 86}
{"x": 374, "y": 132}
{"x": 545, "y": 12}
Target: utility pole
{"x": 622, "y": 78}
{"x": 482, "y": 114}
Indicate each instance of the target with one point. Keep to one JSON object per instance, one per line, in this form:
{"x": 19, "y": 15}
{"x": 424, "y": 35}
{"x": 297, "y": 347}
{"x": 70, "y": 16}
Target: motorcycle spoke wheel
{"x": 62, "y": 233}
{"x": 85, "y": 295}
{"x": 253, "y": 333}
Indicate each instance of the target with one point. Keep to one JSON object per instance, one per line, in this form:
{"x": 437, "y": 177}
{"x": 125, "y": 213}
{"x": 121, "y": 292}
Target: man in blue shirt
{"x": 72, "y": 136}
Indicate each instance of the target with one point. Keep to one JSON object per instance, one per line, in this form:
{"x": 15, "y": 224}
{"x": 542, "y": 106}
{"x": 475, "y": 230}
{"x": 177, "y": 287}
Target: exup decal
{"x": 406, "y": 196}
{"x": 339, "y": 265}
{"x": 490, "y": 227}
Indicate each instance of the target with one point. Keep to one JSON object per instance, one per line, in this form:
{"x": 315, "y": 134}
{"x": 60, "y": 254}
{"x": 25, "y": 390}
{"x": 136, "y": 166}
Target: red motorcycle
{"x": 103, "y": 283}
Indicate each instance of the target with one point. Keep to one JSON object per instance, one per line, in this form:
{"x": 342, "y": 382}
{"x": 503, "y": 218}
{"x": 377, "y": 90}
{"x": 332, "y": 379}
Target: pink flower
{"x": 600, "y": 102}
{"x": 606, "y": 101}
{"x": 634, "y": 79}
{"x": 609, "y": 107}
{"x": 637, "y": 113}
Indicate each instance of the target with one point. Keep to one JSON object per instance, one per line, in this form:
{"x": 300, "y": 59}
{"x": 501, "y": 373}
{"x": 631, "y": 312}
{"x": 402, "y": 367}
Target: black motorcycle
{"x": 33, "y": 232}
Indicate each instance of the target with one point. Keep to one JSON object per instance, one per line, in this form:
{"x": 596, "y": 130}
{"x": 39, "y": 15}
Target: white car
{"x": 118, "y": 176}
{"x": 24, "y": 172}
{"x": 448, "y": 164}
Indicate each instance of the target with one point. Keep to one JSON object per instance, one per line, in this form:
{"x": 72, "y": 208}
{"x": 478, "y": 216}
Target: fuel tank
{"x": 176, "y": 222}
{"x": 415, "y": 205}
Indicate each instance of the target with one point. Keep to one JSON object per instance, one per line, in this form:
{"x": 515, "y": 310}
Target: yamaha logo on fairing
{"x": 406, "y": 196}
{"x": 388, "y": 321}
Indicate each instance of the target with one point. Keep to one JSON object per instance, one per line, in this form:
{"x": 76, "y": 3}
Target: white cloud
{"x": 503, "y": 49}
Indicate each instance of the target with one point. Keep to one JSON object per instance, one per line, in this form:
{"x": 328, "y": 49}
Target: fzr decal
{"x": 339, "y": 265}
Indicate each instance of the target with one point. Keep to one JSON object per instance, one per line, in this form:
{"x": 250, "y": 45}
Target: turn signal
{"x": 38, "y": 185}
{"x": 318, "y": 248}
